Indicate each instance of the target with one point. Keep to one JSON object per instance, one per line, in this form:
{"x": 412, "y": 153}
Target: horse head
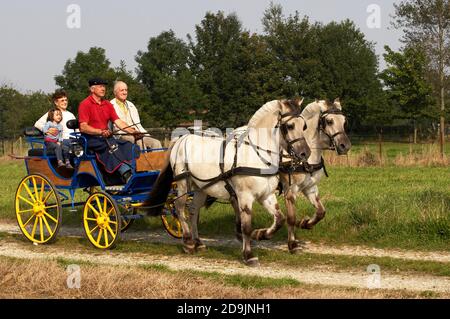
{"x": 332, "y": 123}
{"x": 292, "y": 125}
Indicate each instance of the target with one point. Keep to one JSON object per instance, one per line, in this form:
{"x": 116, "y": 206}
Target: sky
{"x": 36, "y": 40}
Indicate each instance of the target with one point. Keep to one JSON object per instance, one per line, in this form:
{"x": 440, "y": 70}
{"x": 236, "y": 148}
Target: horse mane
{"x": 268, "y": 108}
{"x": 312, "y": 109}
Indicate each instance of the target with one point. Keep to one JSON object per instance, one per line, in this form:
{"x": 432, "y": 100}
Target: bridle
{"x": 284, "y": 130}
{"x": 323, "y": 124}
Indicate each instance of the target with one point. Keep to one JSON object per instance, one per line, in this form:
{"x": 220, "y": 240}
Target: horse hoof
{"x": 189, "y": 247}
{"x": 252, "y": 262}
{"x": 304, "y": 224}
{"x": 200, "y": 246}
{"x": 259, "y": 234}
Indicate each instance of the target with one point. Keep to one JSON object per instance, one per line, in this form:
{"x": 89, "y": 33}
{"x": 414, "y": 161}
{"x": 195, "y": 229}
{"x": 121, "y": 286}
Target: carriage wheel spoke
{"x": 91, "y": 219}
{"x": 25, "y": 211}
{"x": 51, "y": 206}
{"x": 33, "y": 232}
{"x": 35, "y": 188}
{"x": 111, "y": 232}
{"x": 47, "y": 196}
{"x": 109, "y": 212}
{"x": 25, "y": 200}
{"x": 106, "y": 238}
{"x": 41, "y": 228}
{"x": 25, "y": 225}
{"x": 51, "y": 217}
{"x": 29, "y": 192}
{"x": 105, "y": 204}
{"x": 92, "y": 230}
{"x": 42, "y": 190}
{"x": 99, "y": 235}
{"x": 47, "y": 226}
{"x": 98, "y": 204}
{"x": 96, "y": 213}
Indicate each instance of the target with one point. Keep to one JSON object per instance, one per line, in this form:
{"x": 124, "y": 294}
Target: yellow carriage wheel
{"x": 101, "y": 220}
{"x": 171, "y": 222}
{"x": 126, "y": 223}
{"x": 170, "y": 219}
{"x": 38, "y": 209}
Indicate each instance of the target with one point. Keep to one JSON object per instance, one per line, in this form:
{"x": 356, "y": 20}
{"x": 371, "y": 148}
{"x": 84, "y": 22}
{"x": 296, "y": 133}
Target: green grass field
{"x": 404, "y": 207}
{"x": 391, "y": 150}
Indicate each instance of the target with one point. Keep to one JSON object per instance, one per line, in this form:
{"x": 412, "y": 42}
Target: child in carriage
{"x": 55, "y": 142}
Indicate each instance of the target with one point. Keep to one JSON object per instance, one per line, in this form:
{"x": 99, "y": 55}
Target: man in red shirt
{"x": 94, "y": 114}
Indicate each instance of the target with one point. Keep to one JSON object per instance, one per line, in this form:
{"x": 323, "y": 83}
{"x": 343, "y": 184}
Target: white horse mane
{"x": 314, "y": 108}
{"x": 269, "y": 108}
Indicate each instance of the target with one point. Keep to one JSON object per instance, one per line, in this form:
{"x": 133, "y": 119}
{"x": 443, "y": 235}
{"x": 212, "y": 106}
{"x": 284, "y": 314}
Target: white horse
{"x": 325, "y": 131}
{"x": 241, "y": 170}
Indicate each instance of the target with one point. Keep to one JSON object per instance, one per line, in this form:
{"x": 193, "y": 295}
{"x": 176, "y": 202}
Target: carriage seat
{"x": 34, "y": 135}
{"x": 32, "y": 132}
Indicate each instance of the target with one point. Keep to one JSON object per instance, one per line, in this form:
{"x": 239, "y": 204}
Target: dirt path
{"x": 315, "y": 275}
{"x": 160, "y": 236}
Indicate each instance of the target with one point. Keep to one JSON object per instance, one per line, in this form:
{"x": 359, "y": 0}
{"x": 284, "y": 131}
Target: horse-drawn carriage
{"x": 111, "y": 206}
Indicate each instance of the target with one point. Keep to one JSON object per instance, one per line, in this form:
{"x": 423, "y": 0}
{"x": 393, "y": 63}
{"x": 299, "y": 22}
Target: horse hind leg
{"x": 180, "y": 205}
{"x": 314, "y": 198}
{"x": 194, "y": 213}
{"x": 238, "y": 224}
{"x": 271, "y": 204}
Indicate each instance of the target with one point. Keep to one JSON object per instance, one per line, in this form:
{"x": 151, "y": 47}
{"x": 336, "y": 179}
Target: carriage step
{"x": 116, "y": 188}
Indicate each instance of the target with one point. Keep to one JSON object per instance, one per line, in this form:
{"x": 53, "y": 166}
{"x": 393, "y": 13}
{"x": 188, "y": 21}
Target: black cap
{"x": 97, "y": 81}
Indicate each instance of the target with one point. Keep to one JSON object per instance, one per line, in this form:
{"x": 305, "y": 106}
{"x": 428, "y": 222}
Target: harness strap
{"x": 291, "y": 167}
{"x": 225, "y": 177}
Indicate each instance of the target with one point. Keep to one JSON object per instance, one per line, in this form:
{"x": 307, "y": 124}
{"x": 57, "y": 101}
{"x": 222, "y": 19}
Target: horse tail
{"x": 160, "y": 191}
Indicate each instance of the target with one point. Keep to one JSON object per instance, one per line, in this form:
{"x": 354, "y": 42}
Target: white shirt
{"x": 131, "y": 117}
{"x": 66, "y": 116}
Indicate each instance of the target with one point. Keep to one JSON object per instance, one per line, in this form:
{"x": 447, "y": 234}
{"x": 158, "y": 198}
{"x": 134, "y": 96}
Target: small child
{"x": 54, "y": 142}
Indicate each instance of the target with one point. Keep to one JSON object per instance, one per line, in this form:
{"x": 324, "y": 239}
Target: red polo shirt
{"x": 96, "y": 114}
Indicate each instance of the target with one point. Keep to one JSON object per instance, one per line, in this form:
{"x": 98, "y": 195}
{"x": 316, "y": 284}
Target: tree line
{"x": 223, "y": 73}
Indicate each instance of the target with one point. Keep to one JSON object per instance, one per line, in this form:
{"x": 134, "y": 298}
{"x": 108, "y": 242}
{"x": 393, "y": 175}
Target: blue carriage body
{"x": 88, "y": 173}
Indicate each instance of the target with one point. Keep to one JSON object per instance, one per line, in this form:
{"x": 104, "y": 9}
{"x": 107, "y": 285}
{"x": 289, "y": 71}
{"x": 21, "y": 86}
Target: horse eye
{"x": 290, "y": 127}
{"x": 329, "y": 122}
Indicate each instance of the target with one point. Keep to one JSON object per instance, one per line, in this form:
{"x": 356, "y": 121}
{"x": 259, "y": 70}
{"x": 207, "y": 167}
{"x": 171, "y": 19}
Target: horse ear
{"x": 299, "y": 101}
{"x": 337, "y": 102}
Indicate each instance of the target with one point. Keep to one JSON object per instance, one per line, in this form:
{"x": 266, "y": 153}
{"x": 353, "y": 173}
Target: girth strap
{"x": 290, "y": 167}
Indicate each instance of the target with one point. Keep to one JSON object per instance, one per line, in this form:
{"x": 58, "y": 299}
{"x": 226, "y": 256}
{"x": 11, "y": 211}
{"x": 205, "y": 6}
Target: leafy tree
{"x": 77, "y": 72}
{"x": 293, "y": 49}
{"x": 18, "y": 111}
{"x": 163, "y": 70}
{"x": 232, "y": 69}
{"x": 325, "y": 61}
{"x": 349, "y": 70}
{"x": 407, "y": 86}
{"x": 428, "y": 22}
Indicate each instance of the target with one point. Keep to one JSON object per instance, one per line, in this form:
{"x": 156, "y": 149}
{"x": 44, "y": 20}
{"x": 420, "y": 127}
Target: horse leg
{"x": 313, "y": 197}
{"x": 238, "y": 225}
{"x": 293, "y": 244}
{"x": 271, "y": 204}
{"x": 245, "y": 212}
{"x": 180, "y": 205}
{"x": 194, "y": 213}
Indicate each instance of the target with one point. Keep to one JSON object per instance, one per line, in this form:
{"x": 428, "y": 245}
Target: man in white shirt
{"x": 128, "y": 112}
{"x": 61, "y": 102}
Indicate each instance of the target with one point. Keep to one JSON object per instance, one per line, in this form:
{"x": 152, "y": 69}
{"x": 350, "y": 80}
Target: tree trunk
{"x": 441, "y": 85}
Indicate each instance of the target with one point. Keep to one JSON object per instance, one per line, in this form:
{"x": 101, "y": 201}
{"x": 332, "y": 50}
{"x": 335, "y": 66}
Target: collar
{"x": 91, "y": 98}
